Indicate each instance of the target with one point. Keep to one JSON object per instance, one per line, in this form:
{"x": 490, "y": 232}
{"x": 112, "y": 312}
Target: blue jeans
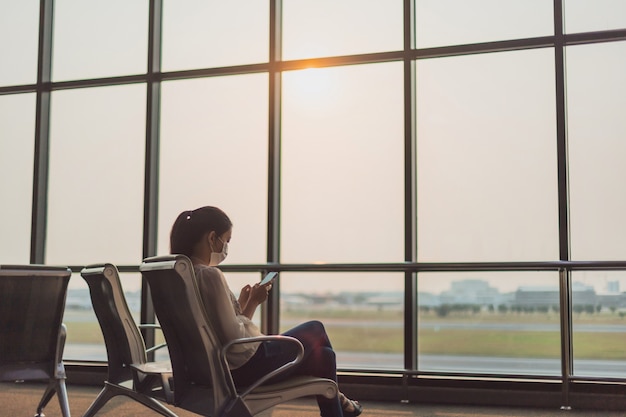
{"x": 318, "y": 360}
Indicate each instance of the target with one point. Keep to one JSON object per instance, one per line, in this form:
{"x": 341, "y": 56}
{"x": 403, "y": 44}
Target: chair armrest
{"x": 276, "y": 338}
{"x": 152, "y": 326}
{"x": 149, "y": 326}
{"x": 156, "y": 347}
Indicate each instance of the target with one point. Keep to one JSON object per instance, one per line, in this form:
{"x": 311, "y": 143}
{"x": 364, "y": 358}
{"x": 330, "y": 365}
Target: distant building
{"x": 612, "y": 298}
{"x": 471, "y": 291}
{"x": 428, "y": 299}
{"x": 547, "y": 296}
{"x": 612, "y": 287}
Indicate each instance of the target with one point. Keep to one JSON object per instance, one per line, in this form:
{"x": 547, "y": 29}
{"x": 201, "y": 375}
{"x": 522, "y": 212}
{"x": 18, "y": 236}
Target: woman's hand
{"x": 256, "y": 295}
{"x": 244, "y": 296}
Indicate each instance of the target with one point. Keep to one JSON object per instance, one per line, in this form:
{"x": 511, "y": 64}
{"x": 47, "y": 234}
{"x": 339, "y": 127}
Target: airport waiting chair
{"x": 32, "y": 335}
{"x": 202, "y": 381}
{"x": 129, "y": 371}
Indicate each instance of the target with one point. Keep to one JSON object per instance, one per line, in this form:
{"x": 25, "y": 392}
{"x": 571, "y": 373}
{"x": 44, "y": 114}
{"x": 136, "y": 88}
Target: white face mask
{"x": 218, "y": 257}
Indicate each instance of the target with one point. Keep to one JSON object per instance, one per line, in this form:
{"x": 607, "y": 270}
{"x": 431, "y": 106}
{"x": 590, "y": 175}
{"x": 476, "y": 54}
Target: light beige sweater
{"x": 225, "y": 313}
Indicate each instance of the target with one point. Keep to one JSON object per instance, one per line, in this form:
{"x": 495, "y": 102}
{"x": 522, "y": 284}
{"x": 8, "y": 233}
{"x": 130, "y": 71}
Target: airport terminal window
{"x": 489, "y": 322}
{"x": 189, "y": 26}
{"x": 96, "y": 195}
{"x": 453, "y": 22}
{"x": 586, "y": 16}
{"x": 598, "y": 302}
{"x": 18, "y": 43}
{"x": 17, "y": 129}
{"x": 342, "y": 164}
{"x": 351, "y": 27}
{"x": 97, "y": 146}
{"x": 478, "y": 146}
{"x": 96, "y": 39}
{"x": 486, "y": 149}
{"x": 363, "y": 319}
{"x": 214, "y": 151}
{"x": 596, "y": 146}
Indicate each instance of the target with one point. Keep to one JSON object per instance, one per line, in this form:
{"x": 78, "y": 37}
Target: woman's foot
{"x": 351, "y": 408}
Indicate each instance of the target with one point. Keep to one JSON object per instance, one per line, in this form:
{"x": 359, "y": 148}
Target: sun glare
{"x": 309, "y": 84}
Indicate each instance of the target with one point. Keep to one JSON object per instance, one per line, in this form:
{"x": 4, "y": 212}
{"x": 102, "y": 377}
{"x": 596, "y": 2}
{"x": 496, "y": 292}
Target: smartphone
{"x": 269, "y": 277}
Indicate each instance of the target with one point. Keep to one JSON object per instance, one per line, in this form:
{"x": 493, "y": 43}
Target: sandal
{"x": 351, "y": 408}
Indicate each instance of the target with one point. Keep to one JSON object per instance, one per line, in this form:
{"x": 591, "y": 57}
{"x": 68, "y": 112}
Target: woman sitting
{"x": 203, "y": 235}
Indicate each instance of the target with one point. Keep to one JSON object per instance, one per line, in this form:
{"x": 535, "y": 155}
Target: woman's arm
{"x": 216, "y": 297}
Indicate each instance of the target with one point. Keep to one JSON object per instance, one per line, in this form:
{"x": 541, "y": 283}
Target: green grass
{"x": 490, "y": 343}
{"x": 90, "y": 333}
{"x": 83, "y": 332}
{"x": 472, "y": 342}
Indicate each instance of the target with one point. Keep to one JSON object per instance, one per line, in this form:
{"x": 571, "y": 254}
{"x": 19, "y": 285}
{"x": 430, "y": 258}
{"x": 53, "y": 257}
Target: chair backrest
{"x": 124, "y": 343}
{"x": 193, "y": 345}
{"x": 32, "y": 303}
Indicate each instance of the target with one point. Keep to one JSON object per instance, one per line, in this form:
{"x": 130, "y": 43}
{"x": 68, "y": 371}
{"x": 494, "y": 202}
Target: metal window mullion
{"x": 153, "y": 102}
{"x": 561, "y": 133}
{"x": 563, "y": 188}
{"x": 41, "y": 157}
{"x": 270, "y": 314}
{"x": 565, "y": 296}
{"x": 410, "y": 189}
{"x": 151, "y": 176}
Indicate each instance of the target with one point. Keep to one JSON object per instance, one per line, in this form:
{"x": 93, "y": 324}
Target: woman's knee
{"x": 313, "y": 326}
{"x": 312, "y": 334}
{"x": 320, "y": 362}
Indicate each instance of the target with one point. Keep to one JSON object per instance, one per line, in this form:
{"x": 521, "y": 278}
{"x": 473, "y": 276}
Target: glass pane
{"x": 599, "y": 310}
{"x": 596, "y": 98}
{"x": 19, "y": 38}
{"x": 451, "y": 22}
{"x": 191, "y": 28}
{"x": 329, "y": 28}
{"x": 363, "y": 319}
{"x": 214, "y": 153}
{"x": 585, "y": 15}
{"x": 489, "y": 322}
{"x": 97, "y": 146}
{"x": 17, "y": 133}
{"x": 343, "y": 164}
{"x": 99, "y": 39}
{"x": 486, "y": 158}
{"x": 84, "y": 336}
